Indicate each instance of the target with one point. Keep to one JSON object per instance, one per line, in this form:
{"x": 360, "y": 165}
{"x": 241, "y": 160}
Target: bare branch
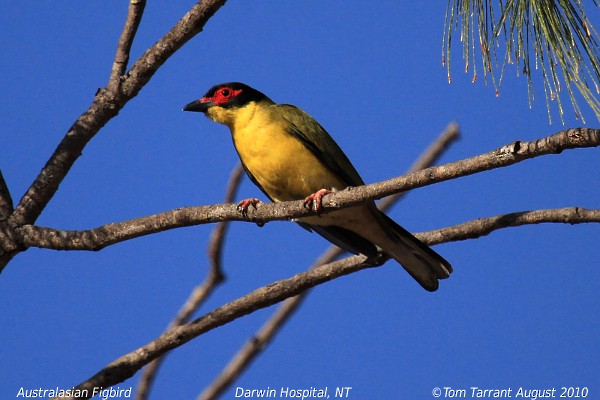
{"x": 217, "y": 239}
{"x": 127, "y": 365}
{"x": 201, "y": 292}
{"x": 96, "y": 239}
{"x": 134, "y": 17}
{"x": 484, "y": 226}
{"x": 259, "y": 341}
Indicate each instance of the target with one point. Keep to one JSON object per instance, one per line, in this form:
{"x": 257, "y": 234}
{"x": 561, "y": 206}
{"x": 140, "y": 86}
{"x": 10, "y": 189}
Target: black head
{"x": 226, "y": 95}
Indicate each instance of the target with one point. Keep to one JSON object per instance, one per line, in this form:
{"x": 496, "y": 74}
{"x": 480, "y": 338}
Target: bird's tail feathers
{"x": 420, "y": 261}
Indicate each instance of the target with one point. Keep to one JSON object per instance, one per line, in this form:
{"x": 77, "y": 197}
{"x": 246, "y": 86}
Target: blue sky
{"x": 520, "y": 309}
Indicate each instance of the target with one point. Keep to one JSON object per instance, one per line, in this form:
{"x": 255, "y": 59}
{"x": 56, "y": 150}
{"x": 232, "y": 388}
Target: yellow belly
{"x": 282, "y": 165}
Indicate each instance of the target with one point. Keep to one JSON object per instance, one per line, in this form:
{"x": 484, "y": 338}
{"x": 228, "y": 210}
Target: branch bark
{"x": 127, "y": 365}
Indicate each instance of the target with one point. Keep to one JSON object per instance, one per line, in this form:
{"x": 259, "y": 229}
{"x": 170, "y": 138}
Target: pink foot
{"x": 316, "y": 200}
{"x": 244, "y": 205}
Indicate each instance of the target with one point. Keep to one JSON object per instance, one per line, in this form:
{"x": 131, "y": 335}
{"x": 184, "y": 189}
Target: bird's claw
{"x": 244, "y": 205}
{"x": 315, "y": 200}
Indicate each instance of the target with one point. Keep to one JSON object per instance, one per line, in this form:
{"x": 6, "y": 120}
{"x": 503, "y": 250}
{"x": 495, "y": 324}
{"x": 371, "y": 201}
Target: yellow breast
{"x": 282, "y": 165}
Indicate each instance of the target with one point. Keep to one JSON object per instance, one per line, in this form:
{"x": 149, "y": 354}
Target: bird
{"x": 290, "y": 156}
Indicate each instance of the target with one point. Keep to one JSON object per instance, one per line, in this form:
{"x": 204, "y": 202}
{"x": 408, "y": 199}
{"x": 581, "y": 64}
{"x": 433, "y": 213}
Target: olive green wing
{"x": 317, "y": 140}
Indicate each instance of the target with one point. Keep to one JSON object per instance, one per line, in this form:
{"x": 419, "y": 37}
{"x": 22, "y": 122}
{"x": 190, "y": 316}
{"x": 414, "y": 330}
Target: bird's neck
{"x": 240, "y": 117}
{"x": 250, "y": 114}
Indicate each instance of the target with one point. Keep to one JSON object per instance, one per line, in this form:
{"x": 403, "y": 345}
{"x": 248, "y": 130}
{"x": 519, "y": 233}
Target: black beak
{"x": 198, "y": 106}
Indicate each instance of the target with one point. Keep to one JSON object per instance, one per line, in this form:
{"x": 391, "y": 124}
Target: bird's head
{"x": 222, "y": 102}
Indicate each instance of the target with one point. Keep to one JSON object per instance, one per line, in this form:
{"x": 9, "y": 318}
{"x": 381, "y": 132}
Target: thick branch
{"x": 96, "y": 239}
{"x": 127, "y": 365}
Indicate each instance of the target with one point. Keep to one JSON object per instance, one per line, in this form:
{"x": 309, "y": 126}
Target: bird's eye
{"x": 224, "y": 95}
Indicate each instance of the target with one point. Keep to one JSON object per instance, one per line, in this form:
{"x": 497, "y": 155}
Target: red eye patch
{"x": 222, "y": 95}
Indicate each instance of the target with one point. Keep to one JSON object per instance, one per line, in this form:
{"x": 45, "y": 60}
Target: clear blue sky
{"x": 520, "y": 310}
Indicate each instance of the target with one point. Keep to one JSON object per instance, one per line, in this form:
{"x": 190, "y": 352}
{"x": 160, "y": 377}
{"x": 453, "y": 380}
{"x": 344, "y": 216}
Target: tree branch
{"x": 96, "y": 239}
{"x": 484, "y": 226}
{"x": 127, "y": 365}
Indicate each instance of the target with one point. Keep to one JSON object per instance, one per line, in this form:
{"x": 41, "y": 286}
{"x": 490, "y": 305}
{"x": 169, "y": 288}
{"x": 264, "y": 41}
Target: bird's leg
{"x": 244, "y": 205}
{"x": 316, "y": 200}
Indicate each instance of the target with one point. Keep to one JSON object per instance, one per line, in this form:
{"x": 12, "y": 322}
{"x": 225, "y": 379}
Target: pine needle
{"x": 555, "y": 34}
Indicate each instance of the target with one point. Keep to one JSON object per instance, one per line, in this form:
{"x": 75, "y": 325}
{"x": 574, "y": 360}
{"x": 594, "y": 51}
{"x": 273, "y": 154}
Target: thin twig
{"x": 483, "y": 226}
{"x": 127, "y": 365}
{"x": 428, "y": 158}
{"x": 134, "y": 17}
{"x": 217, "y": 238}
{"x": 263, "y": 337}
{"x": 201, "y": 292}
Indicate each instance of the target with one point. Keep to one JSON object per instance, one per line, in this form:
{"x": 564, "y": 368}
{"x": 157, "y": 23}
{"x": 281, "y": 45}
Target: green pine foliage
{"x": 564, "y": 44}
